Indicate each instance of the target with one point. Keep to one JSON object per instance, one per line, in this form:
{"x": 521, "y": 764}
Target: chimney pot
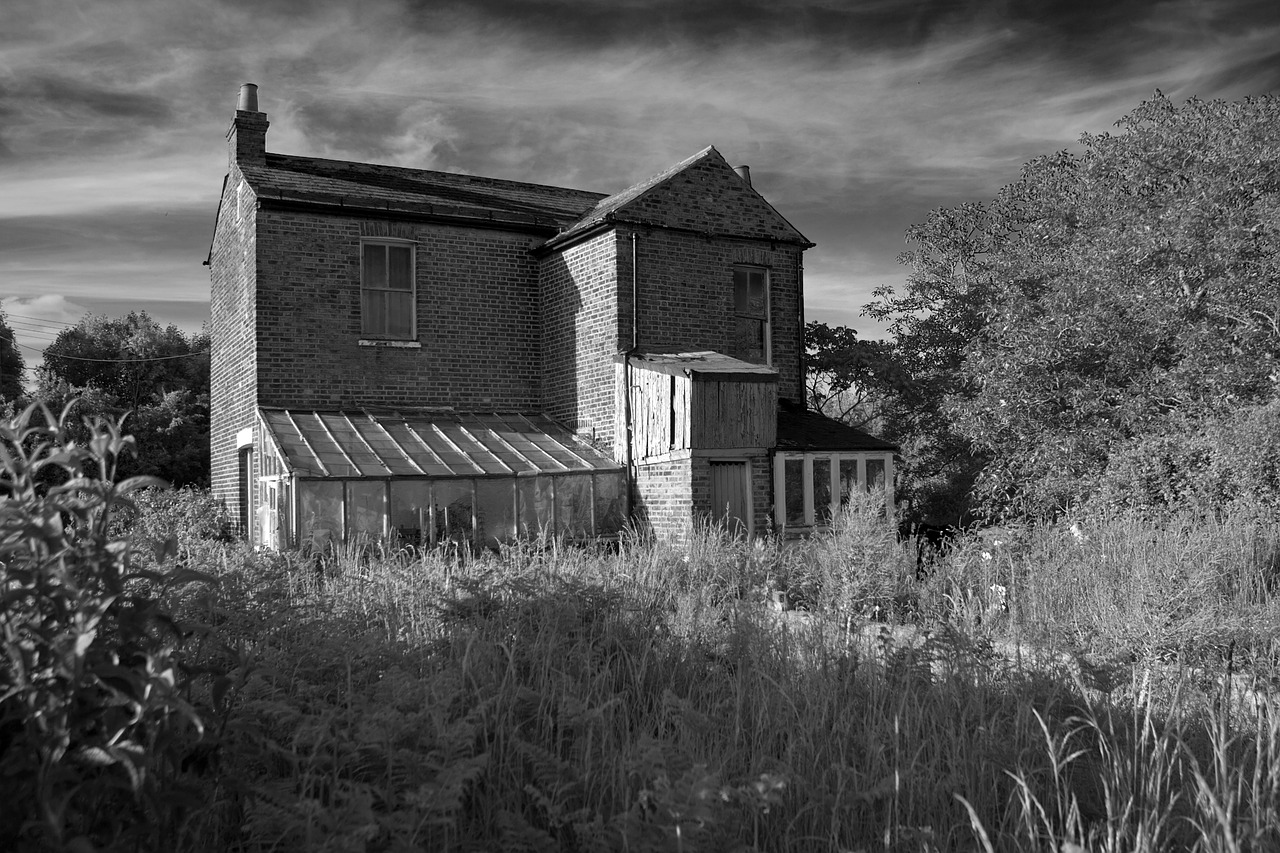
{"x": 744, "y": 172}
{"x": 248, "y": 101}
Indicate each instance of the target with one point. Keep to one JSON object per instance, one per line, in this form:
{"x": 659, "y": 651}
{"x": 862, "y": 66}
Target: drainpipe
{"x": 804, "y": 395}
{"x": 626, "y": 370}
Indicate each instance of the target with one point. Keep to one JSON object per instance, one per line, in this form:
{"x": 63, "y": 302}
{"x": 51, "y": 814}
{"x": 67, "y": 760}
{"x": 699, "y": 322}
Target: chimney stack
{"x": 248, "y": 98}
{"x": 247, "y": 138}
{"x": 744, "y": 172}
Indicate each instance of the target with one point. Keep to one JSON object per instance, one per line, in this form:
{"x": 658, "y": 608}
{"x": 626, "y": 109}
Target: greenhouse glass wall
{"x": 431, "y": 477}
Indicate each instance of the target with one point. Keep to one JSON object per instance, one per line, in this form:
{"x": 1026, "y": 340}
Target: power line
{"x": 137, "y": 360}
{"x": 43, "y": 320}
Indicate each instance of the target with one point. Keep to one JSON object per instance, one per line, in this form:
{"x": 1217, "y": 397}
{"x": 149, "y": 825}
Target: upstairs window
{"x": 387, "y": 304}
{"x": 750, "y": 314}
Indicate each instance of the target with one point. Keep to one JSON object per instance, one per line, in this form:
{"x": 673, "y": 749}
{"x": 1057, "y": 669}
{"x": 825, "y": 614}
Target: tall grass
{"x": 648, "y": 697}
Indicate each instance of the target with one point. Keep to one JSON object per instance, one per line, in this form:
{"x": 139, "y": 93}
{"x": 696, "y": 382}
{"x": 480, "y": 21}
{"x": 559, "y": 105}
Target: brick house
{"x": 445, "y": 356}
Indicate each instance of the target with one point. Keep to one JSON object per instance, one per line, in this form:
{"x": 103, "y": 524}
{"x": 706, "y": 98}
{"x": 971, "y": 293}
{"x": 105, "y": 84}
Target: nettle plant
{"x": 94, "y": 719}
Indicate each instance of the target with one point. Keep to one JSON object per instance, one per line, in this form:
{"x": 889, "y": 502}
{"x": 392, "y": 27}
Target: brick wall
{"x": 477, "y": 318}
{"x": 233, "y": 357}
{"x": 686, "y": 295}
{"x": 582, "y": 333}
{"x": 664, "y": 497}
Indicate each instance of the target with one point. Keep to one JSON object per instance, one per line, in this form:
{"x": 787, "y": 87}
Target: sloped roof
{"x": 800, "y": 429}
{"x": 367, "y": 186}
{"x": 362, "y": 444}
{"x": 706, "y": 365}
{"x": 694, "y": 194}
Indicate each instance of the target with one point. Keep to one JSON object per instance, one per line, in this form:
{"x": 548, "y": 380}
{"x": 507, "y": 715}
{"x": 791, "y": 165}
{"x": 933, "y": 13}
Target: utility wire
{"x": 136, "y": 360}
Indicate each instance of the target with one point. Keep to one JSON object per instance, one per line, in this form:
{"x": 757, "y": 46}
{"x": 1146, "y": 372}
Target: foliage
{"x": 1103, "y": 297}
{"x": 847, "y": 377}
{"x": 1229, "y": 464}
{"x": 645, "y": 696}
{"x": 12, "y": 364}
{"x": 95, "y": 721}
{"x": 157, "y": 374}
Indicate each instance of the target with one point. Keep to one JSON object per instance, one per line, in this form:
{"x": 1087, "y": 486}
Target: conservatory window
{"x": 809, "y": 488}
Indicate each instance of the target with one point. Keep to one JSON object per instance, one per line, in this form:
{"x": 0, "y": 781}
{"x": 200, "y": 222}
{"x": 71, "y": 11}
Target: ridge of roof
{"x": 346, "y": 183}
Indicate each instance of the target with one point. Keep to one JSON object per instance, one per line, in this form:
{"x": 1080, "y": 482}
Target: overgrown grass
{"x": 648, "y": 697}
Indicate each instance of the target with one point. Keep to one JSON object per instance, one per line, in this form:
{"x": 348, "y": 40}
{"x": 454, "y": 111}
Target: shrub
{"x": 94, "y": 719}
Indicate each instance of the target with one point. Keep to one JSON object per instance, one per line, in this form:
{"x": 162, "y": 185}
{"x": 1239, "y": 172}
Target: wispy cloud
{"x": 857, "y": 117}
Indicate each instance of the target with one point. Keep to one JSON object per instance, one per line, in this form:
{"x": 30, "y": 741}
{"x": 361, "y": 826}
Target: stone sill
{"x": 365, "y": 342}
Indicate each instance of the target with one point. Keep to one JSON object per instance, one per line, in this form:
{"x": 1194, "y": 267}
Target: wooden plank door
{"x": 731, "y": 496}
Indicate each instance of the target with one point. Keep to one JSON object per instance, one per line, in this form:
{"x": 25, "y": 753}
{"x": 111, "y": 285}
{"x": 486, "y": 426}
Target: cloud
{"x": 856, "y": 117}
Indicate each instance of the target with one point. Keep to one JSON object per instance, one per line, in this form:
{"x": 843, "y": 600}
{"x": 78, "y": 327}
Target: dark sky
{"x": 857, "y": 118}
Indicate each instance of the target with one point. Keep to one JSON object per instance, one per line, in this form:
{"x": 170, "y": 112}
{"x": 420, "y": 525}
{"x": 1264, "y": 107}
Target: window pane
{"x": 453, "y": 510}
{"x": 822, "y": 490}
{"x": 535, "y": 506}
{"x": 848, "y": 479}
{"x": 496, "y": 510}
{"x": 320, "y": 512}
{"x": 875, "y": 474}
{"x": 748, "y": 339}
{"x": 399, "y": 268}
{"x": 610, "y": 504}
{"x": 399, "y": 314}
{"x": 749, "y": 292}
{"x": 573, "y": 505}
{"x": 756, "y": 292}
{"x": 740, "y": 290}
{"x": 411, "y": 510}
{"x": 793, "y": 489}
{"x": 374, "y": 273}
{"x": 367, "y": 507}
{"x": 373, "y": 307}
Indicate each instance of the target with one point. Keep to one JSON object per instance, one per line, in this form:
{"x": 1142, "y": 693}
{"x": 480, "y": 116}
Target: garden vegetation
{"x": 165, "y": 689}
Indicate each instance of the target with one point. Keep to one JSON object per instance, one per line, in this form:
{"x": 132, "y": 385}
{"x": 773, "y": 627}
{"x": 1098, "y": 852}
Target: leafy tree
{"x": 157, "y": 374}
{"x": 1108, "y": 296}
{"x": 847, "y": 378}
{"x": 12, "y": 364}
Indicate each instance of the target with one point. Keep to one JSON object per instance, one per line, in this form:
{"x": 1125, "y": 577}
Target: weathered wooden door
{"x": 731, "y": 496}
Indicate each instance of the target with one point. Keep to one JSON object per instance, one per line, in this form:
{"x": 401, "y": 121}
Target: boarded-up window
{"x": 387, "y": 291}
{"x": 750, "y": 314}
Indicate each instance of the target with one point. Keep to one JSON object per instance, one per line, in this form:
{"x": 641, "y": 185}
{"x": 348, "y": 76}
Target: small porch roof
{"x": 705, "y": 365}
{"x": 800, "y": 429}
{"x": 379, "y": 445}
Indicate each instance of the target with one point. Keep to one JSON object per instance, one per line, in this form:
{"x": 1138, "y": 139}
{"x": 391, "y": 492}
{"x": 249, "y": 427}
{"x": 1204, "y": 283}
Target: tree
{"x": 157, "y": 374}
{"x": 847, "y": 378}
{"x": 12, "y": 364}
{"x": 1129, "y": 290}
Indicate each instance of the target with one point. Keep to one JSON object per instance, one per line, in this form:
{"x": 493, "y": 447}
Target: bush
{"x": 95, "y": 722}
{"x": 1229, "y": 465}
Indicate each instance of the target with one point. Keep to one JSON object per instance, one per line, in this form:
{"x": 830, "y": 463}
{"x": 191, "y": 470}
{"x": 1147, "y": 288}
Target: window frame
{"x": 835, "y": 457}
{"x": 768, "y": 306}
{"x": 385, "y": 243}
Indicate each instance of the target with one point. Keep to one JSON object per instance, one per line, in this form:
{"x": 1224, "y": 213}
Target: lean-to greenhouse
{"x": 430, "y": 477}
